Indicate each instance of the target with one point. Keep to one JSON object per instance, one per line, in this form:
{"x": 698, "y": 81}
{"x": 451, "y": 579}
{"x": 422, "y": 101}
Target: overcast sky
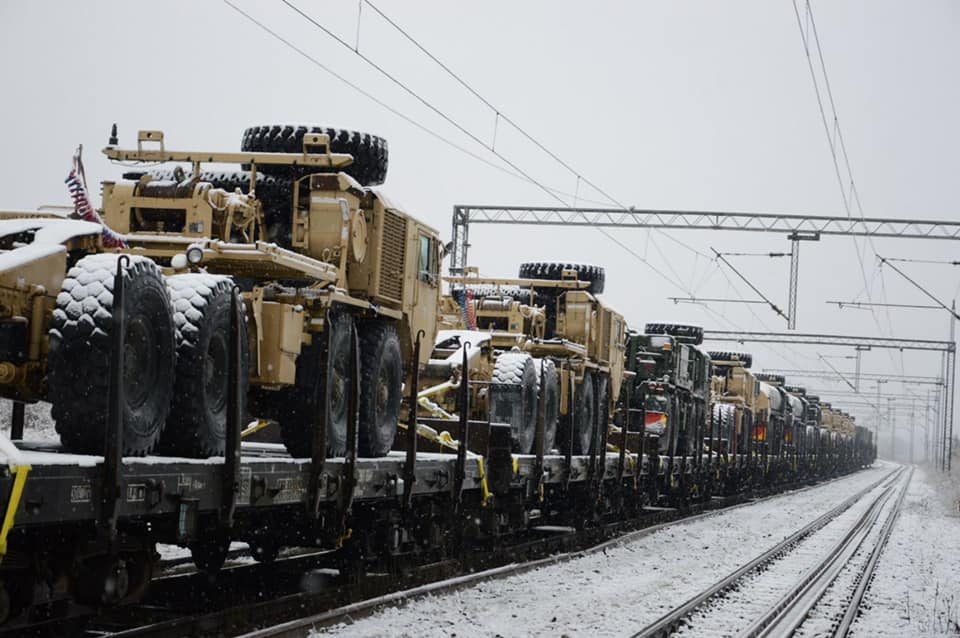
{"x": 675, "y": 105}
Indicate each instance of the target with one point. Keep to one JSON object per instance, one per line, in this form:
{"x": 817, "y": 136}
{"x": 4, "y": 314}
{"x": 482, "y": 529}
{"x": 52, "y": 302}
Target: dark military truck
{"x": 669, "y": 405}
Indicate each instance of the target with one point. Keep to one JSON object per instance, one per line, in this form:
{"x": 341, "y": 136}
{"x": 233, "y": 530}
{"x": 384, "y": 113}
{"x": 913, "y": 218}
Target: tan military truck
{"x": 734, "y": 393}
{"x": 313, "y": 251}
{"x": 548, "y": 324}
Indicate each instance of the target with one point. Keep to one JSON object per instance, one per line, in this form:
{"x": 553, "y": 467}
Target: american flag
{"x": 82, "y": 207}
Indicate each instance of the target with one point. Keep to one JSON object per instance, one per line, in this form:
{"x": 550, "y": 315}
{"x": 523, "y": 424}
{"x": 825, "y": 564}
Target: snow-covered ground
{"x": 733, "y": 613}
{"x": 620, "y": 590}
{"x": 916, "y": 591}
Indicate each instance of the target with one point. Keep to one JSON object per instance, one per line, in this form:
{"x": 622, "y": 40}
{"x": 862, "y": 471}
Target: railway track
{"x": 303, "y": 625}
{"x": 193, "y": 604}
{"x": 307, "y": 588}
{"x": 810, "y": 583}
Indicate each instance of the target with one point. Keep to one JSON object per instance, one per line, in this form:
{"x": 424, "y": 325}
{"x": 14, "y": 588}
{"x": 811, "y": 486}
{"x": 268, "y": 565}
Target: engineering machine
{"x": 541, "y": 342}
{"x": 317, "y": 256}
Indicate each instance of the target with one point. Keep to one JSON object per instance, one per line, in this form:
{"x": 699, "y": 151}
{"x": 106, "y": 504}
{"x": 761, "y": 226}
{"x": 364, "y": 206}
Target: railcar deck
{"x": 64, "y": 488}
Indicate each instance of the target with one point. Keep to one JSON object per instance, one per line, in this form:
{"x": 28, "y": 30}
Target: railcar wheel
{"x": 80, "y": 354}
{"x": 5, "y": 605}
{"x": 209, "y": 555}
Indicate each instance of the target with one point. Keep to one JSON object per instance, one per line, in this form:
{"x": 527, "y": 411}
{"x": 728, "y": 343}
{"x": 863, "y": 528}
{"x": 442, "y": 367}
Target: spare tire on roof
{"x": 745, "y": 358}
{"x": 594, "y": 275}
{"x": 681, "y": 332}
{"x": 369, "y": 151}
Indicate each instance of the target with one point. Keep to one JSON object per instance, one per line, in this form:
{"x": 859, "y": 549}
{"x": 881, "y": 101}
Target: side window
{"x": 428, "y": 262}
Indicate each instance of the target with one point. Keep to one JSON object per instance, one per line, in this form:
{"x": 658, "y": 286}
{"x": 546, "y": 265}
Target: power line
{"x": 500, "y": 115}
{"x": 472, "y": 136}
{"x": 752, "y": 287}
{"x": 865, "y": 305}
{"x": 727, "y": 254}
{"x": 700, "y": 300}
{"x": 520, "y": 173}
{"x": 836, "y": 142}
{"x": 952, "y": 311}
{"x": 925, "y": 261}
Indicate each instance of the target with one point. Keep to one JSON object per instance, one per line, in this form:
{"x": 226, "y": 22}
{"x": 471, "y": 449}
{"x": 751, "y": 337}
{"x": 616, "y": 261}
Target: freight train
{"x": 417, "y": 418}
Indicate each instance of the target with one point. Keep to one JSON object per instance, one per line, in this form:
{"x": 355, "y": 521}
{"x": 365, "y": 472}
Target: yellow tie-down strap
{"x": 444, "y": 439}
{"x": 19, "y": 471}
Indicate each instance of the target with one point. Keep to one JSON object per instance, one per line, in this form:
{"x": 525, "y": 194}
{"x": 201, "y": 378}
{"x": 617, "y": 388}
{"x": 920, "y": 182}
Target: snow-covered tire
{"x": 550, "y": 391}
{"x": 745, "y": 358}
{"x": 381, "y": 388}
{"x": 683, "y": 332}
{"x": 369, "y": 152}
{"x": 595, "y": 275}
{"x": 300, "y": 404}
{"x": 513, "y": 397}
{"x": 201, "y": 303}
{"x": 80, "y": 353}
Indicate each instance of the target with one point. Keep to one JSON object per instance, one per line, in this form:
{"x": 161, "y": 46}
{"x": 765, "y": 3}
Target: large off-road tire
{"x": 300, "y": 404}
{"x": 201, "y": 312}
{"x": 549, "y": 389}
{"x": 745, "y": 358}
{"x": 275, "y": 193}
{"x": 80, "y": 352}
{"x": 603, "y": 410}
{"x": 381, "y": 388}
{"x": 585, "y": 414}
{"x": 595, "y": 275}
{"x": 724, "y": 423}
{"x": 681, "y": 332}
{"x": 513, "y": 397}
{"x": 369, "y": 151}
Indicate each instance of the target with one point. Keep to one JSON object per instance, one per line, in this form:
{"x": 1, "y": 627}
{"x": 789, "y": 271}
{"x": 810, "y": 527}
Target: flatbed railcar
{"x": 77, "y": 525}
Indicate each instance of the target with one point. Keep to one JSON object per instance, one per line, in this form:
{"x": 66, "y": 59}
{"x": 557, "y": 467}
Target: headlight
{"x": 194, "y": 254}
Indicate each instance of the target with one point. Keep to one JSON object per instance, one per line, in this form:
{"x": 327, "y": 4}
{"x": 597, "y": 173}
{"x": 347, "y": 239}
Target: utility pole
{"x": 856, "y": 377}
{"x": 913, "y": 427}
{"x": 891, "y": 418}
{"x": 926, "y": 430}
{"x": 876, "y": 425}
{"x": 945, "y": 424}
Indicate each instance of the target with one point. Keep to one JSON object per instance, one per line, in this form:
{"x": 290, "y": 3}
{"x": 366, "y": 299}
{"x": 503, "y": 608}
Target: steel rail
{"x": 792, "y": 609}
{"x": 866, "y": 576}
{"x": 672, "y": 620}
{"x": 302, "y": 626}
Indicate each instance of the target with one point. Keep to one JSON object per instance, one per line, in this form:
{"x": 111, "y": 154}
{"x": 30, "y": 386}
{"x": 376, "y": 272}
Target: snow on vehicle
{"x": 316, "y": 255}
{"x": 542, "y": 342}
